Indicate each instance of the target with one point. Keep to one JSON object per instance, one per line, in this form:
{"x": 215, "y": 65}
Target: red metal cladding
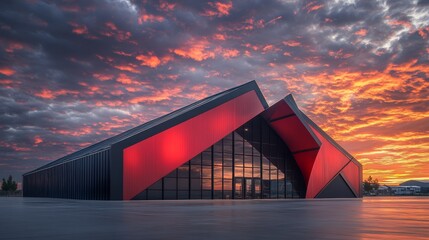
{"x": 280, "y": 109}
{"x": 153, "y": 158}
{"x": 294, "y": 134}
{"x": 352, "y": 175}
{"x": 305, "y": 161}
{"x": 328, "y": 164}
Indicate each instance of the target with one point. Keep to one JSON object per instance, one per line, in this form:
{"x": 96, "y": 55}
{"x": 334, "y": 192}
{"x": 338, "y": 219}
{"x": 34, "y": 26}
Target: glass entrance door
{"x": 247, "y": 188}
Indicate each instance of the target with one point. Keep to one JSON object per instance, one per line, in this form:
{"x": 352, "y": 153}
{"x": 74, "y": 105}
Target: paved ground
{"x": 370, "y": 218}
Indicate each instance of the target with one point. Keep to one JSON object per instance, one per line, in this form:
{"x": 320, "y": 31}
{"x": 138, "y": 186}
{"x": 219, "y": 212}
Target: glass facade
{"x": 252, "y": 162}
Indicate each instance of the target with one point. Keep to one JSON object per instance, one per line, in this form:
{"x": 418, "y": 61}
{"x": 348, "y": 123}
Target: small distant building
{"x": 406, "y": 190}
{"x": 423, "y": 184}
{"x": 384, "y": 191}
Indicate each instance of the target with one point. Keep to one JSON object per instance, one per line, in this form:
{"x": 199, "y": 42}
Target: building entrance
{"x": 247, "y": 188}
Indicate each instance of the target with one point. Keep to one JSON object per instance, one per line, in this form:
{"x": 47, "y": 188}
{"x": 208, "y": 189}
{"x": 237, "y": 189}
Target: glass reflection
{"x": 250, "y": 163}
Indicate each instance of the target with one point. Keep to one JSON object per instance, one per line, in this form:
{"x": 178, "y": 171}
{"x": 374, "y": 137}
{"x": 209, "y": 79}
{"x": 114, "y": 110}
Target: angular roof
{"x": 146, "y": 129}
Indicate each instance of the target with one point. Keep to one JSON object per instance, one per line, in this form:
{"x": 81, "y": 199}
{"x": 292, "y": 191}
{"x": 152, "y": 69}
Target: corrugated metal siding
{"x": 86, "y": 177}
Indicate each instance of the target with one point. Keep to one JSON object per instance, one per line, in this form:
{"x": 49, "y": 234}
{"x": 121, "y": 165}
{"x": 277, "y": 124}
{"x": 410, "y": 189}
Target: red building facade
{"x": 231, "y": 145}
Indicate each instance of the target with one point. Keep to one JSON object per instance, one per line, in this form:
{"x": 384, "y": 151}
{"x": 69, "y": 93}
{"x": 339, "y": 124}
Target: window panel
{"x": 195, "y": 184}
{"x": 227, "y": 159}
{"x": 196, "y": 160}
{"x": 183, "y": 183}
{"x": 238, "y": 147}
{"x": 207, "y": 184}
{"x": 256, "y": 172}
{"x": 170, "y": 195}
{"x": 183, "y": 194}
{"x": 248, "y": 148}
{"x": 157, "y": 185}
{"x": 227, "y": 194}
{"x": 256, "y": 161}
{"x": 248, "y": 172}
{"x": 265, "y": 163}
{"x": 227, "y": 184}
{"x": 206, "y": 194}
{"x": 248, "y": 161}
{"x": 207, "y": 158}
{"x": 266, "y": 174}
{"x": 183, "y": 171}
{"x": 207, "y": 172}
{"x": 238, "y": 160}
{"x": 217, "y": 159}
{"x": 195, "y": 171}
{"x": 227, "y": 172}
{"x": 170, "y": 183}
{"x": 195, "y": 194}
{"x": 237, "y": 137}
{"x": 227, "y": 146}
{"x": 217, "y": 172}
{"x": 154, "y": 194}
{"x": 217, "y": 147}
{"x": 238, "y": 171}
{"x": 217, "y": 184}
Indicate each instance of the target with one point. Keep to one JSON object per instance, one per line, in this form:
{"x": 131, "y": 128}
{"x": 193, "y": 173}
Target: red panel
{"x": 328, "y": 163}
{"x": 352, "y": 175}
{"x": 305, "y": 161}
{"x": 153, "y": 158}
{"x": 294, "y": 134}
{"x": 280, "y": 109}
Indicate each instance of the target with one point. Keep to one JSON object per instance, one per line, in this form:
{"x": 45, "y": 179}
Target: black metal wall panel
{"x": 87, "y": 177}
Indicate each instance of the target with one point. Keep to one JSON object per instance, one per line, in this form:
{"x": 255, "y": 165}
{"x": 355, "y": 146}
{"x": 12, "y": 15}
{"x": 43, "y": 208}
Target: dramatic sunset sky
{"x": 76, "y": 72}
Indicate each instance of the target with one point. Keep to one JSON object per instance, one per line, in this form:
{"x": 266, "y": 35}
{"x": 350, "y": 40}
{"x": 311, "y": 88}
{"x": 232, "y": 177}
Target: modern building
{"x": 231, "y": 145}
{"x": 405, "y": 190}
{"x": 423, "y": 184}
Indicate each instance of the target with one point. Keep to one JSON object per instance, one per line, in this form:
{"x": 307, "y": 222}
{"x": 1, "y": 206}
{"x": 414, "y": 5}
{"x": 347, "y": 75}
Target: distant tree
{"x": 367, "y": 184}
{"x": 370, "y": 184}
{"x": 3, "y": 185}
{"x": 9, "y": 185}
{"x": 375, "y": 184}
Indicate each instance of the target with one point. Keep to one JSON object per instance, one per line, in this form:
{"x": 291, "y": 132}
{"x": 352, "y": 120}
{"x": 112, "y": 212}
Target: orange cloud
{"x": 7, "y": 71}
{"x": 102, "y": 77}
{"x": 75, "y": 133}
{"x": 149, "y": 60}
{"x": 150, "y": 18}
{"x": 313, "y": 6}
{"x": 220, "y": 37}
{"x": 123, "y": 53}
{"x": 78, "y": 29}
{"x": 197, "y": 50}
{"x": 361, "y": 32}
{"x": 130, "y": 68}
{"x": 292, "y": 43}
{"x": 114, "y": 31}
{"x": 378, "y": 116}
{"x": 14, "y": 46}
{"x": 37, "y": 140}
{"x": 166, "y": 6}
{"x": 48, "y": 94}
{"x": 157, "y": 96}
{"x": 125, "y": 79}
{"x": 230, "y": 53}
{"x": 218, "y": 9}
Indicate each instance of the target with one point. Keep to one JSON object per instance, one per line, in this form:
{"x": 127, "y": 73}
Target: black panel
{"x": 252, "y": 162}
{"x": 83, "y": 178}
{"x": 337, "y": 188}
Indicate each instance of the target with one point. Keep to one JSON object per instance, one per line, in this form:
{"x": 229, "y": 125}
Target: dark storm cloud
{"x": 75, "y": 72}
